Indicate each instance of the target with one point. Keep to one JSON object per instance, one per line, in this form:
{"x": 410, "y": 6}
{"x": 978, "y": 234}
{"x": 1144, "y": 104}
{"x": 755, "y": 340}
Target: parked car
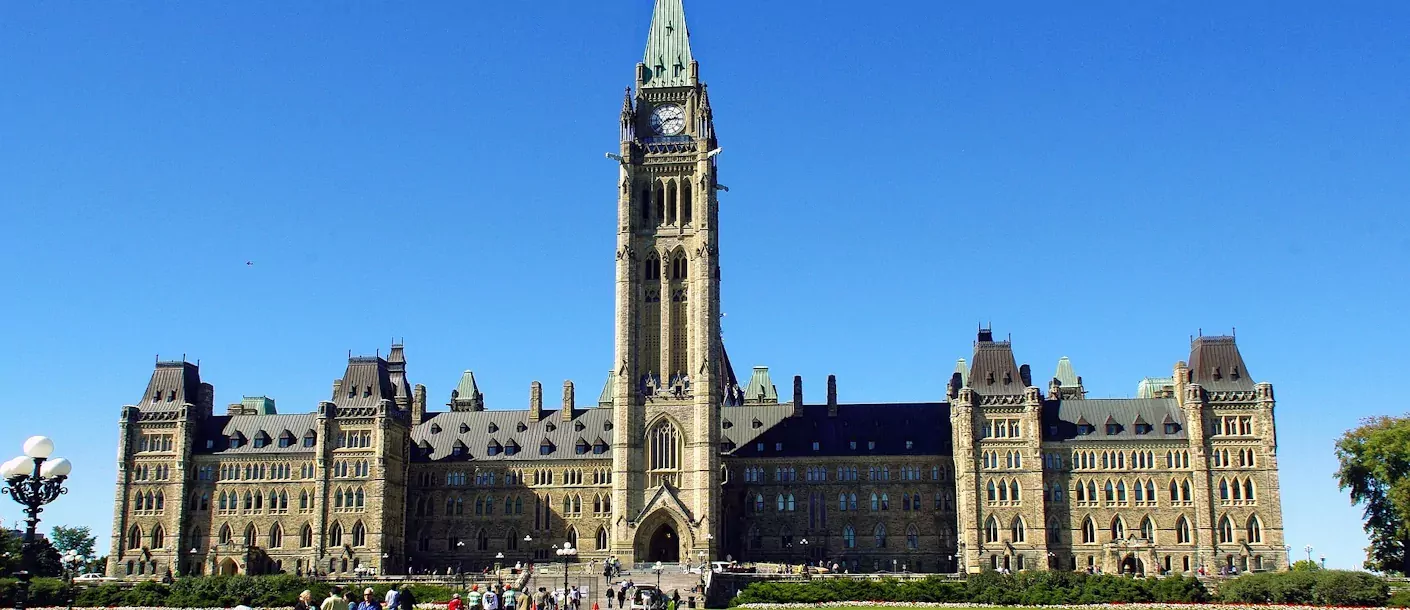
{"x": 92, "y": 577}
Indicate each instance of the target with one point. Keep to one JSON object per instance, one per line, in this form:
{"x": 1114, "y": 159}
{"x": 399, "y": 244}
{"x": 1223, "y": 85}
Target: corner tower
{"x": 667, "y": 389}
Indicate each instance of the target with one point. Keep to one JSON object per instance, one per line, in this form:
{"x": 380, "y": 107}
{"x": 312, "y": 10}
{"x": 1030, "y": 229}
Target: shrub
{"x": 1399, "y": 599}
{"x": 988, "y": 588}
{"x": 1308, "y": 587}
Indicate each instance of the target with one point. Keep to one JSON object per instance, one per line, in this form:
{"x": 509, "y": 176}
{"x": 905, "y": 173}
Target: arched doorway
{"x": 1131, "y": 565}
{"x": 228, "y": 567}
{"x": 665, "y": 545}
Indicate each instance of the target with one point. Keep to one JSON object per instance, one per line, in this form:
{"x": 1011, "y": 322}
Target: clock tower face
{"x": 668, "y": 120}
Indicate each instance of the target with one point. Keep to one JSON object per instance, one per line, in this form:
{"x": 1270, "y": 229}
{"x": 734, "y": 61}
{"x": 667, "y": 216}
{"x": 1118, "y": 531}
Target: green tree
{"x": 1305, "y": 565}
{"x": 79, "y": 539}
{"x": 9, "y": 552}
{"x": 1375, "y": 468}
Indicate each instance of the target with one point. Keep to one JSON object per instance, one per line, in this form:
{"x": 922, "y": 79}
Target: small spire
{"x": 667, "y": 57}
{"x": 627, "y": 102}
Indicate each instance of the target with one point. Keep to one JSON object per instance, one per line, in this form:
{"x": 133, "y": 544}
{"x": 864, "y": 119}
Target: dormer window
{"x": 366, "y": 391}
{"x": 726, "y": 445}
{"x": 1217, "y": 373}
{"x": 458, "y": 449}
{"x": 493, "y": 448}
{"x": 607, "y": 426}
{"x": 989, "y": 377}
{"x": 466, "y": 428}
{"x": 171, "y": 395}
{"x": 727, "y": 424}
{"x": 550, "y": 427}
{"x": 546, "y": 447}
{"x": 236, "y": 440}
{"x": 1113, "y": 429}
{"x": 435, "y": 429}
{"x": 512, "y": 448}
{"x": 1171, "y": 427}
{"x": 1234, "y": 373}
{"x": 261, "y": 440}
{"x": 581, "y": 448}
{"x": 352, "y": 391}
{"x": 286, "y": 439}
{"x": 425, "y": 448}
{"x": 310, "y": 439}
{"x": 521, "y": 427}
{"x": 756, "y": 424}
{"x": 578, "y": 426}
{"x": 1085, "y": 429}
{"x": 817, "y": 446}
{"x": 1008, "y": 377}
{"x": 493, "y": 428}
{"x": 599, "y": 447}
{"x": 1144, "y": 428}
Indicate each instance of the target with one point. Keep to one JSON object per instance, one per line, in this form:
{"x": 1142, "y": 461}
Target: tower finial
{"x": 667, "y": 57}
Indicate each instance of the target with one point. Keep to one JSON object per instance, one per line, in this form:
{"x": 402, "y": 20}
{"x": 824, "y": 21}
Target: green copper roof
{"x": 259, "y": 405}
{"x": 668, "y": 56}
{"x": 761, "y": 388}
{"x": 1065, "y": 375}
{"x": 963, "y": 370}
{"x": 605, "y": 398}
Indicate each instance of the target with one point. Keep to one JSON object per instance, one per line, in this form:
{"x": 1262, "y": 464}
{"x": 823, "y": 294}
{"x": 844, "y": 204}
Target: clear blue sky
{"x": 1102, "y": 180}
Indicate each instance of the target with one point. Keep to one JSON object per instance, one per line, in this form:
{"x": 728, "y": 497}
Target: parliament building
{"x": 679, "y": 460}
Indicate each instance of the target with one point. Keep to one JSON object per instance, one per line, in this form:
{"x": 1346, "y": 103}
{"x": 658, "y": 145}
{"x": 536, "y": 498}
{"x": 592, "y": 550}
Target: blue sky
{"x": 1101, "y": 180}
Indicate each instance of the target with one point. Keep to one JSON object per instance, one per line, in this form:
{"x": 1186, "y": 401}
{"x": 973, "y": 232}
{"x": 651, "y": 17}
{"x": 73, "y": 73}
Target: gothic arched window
{"x": 879, "y": 534}
{"x": 1017, "y": 531}
{"x": 1254, "y": 530}
{"x": 1182, "y": 530}
{"x": 664, "y": 449}
{"x": 359, "y": 534}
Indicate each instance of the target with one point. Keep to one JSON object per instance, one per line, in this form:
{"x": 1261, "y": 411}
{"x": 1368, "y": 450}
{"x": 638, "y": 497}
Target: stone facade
{"x": 676, "y": 461}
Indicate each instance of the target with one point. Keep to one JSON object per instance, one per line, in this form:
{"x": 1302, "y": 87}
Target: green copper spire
{"x": 668, "y": 60}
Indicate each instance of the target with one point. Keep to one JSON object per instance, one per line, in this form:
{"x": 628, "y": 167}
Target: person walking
{"x": 509, "y": 598}
{"x": 406, "y": 600}
{"x": 575, "y": 598}
{"x": 305, "y": 601}
{"x": 491, "y": 600}
{"x": 455, "y": 603}
{"x": 369, "y": 600}
{"x": 392, "y": 595}
{"x": 350, "y": 598}
{"x": 335, "y": 596}
{"x": 473, "y": 598}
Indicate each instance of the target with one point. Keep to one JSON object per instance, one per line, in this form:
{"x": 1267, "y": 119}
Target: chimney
{"x": 1026, "y": 375}
{"x": 568, "y": 400}
{"x": 535, "y": 401}
{"x": 797, "y": 396}
{"x": 337, "y": 390}
{"x": 832, "y": 395}
{"x": 418, "y": 405}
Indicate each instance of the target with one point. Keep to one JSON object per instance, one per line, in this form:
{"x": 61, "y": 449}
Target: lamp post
{"x": 657, "y": 569}
{"x": 71, "y": 560}
{"x": 527, "y": 540}
{"x": 33, "y": 480}
{"x": 498, "y": 563}
{"x": 1308, "y": 548}
{"x": 567, "y": 552}
{"x": 1324, "y": 562}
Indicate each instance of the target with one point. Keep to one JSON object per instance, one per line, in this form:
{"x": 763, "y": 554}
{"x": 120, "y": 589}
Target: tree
{"x": 1374, "y": 466}
{"x": 9, "y": 552}
{"x": 79, "y": 539}
{"x": 1305, "y": 565}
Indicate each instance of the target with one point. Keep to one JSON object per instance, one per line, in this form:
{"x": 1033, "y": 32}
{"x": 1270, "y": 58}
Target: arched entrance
{"x": 228, "y": 567}
{"x": 1131, "y": 565}
{"x": 665, "y": 545}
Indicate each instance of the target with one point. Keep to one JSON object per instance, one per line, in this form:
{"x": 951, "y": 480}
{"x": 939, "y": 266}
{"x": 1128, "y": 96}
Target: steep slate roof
{"x": 219, "y": 428}
{"x": 1215, "y": 364}
{"x": 366, "y": 383}
{"x": 668, "y": 55}
{"x": 1150, "y": 386}
{"x": 994, "y": 370}
{"x": 396, "y": 371}
{"x": 889, "y": 426}
{"x": 172, "y": 384}
{"x": 1061, "y": 419}
{"x": 477, "y": 436}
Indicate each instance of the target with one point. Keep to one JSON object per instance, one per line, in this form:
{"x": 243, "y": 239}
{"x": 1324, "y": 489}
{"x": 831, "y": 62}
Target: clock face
{"x": 668, "y": 120}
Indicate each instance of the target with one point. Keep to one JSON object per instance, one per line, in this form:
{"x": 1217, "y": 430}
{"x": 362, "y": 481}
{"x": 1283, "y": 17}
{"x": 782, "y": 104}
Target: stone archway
{"x": 1132, "y": 565}
{"x": 228, "y": 567}
{"x": 664, "y": 544}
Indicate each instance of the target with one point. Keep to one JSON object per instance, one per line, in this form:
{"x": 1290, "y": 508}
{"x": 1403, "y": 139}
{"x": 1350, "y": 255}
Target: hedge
{"x": 197, "y": 592}
{"x": 1310, "y": 587}
{"x": 989, "y": 588}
